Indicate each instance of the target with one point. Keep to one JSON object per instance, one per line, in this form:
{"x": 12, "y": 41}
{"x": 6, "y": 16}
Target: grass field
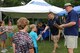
{"x": 47, "y": 47}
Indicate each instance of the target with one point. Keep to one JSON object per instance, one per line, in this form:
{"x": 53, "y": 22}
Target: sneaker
{"x": 3, "y": 51}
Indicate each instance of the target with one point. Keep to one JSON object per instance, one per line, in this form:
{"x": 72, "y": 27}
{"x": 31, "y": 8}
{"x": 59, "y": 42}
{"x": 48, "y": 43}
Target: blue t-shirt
{"x": 34, "y": 37}
{"x": 73, "y": 30}
{"x": 51, "y": 23}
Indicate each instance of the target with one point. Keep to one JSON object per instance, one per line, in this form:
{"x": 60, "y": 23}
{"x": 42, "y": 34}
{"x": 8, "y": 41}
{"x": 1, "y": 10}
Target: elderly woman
{"x": 22, "y": 42}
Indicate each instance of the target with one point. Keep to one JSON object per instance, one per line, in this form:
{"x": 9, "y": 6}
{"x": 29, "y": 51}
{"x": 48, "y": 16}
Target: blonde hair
{"x": 32, "y": 26}
{"x": 22, "y": 23}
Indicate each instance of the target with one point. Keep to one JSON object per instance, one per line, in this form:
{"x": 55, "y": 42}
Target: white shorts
{"x": 71, "y": 41}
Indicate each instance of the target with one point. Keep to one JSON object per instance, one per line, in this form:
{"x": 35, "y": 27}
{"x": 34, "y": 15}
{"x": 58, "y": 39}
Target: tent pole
{"x": 33, "y": 20}
{"x": 0, "y": 15}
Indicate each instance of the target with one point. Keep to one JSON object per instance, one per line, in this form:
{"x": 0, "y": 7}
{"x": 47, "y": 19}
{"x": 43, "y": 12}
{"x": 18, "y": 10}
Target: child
{"x": 3, "y": 36}
{"x": 22, "y": 42}
{"x": 10, "y": 32}
{"x": 40, "y": 28}
{"x": 34, "y": 37}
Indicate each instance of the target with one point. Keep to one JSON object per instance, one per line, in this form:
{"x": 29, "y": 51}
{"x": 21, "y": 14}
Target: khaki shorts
{"x": 54, "y": 38}
{"x": 71, "y": 41}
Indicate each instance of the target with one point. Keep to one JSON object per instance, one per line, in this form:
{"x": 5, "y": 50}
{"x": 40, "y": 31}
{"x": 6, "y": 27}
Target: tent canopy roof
{"x": 34, "y": 6}
{"x": 34, "y": 9}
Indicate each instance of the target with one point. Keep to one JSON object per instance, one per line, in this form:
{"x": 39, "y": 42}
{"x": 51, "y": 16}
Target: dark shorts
{"x": 3, "y": 37}
{"x": 54, "y": 32}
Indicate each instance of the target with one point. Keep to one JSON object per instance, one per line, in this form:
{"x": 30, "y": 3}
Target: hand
{"x": 40, "y": 35}
{"x": 43, "y": 31}
{"x": 61, "y": 26}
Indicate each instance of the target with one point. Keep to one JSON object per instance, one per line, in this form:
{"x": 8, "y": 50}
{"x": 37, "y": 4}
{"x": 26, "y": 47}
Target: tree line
{"x": 59, "y": 3}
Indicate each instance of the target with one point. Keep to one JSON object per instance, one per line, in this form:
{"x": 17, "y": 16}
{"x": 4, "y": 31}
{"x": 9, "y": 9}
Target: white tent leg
{"x": 0, "y": 15}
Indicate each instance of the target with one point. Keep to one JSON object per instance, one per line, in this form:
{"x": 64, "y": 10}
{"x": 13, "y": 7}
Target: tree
{"x": 10, "y": 3}
{"x": 60, "y": 3}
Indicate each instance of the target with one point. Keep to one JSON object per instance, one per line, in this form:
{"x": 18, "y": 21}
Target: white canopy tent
{"x": 35, "y": 8}
{"x": 28, "y": 8}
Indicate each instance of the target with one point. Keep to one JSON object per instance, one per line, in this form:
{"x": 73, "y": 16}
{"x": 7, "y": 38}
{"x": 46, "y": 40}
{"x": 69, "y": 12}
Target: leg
{"x": 71, "y": 42}
{"x": 10, "y": 41}
{"x": 5, "y": 45}
{"x": 2, "y": 44}
{"x": 70, "y": 50}
{"x": 55, "y": 43}
{"x": 10, "y": 45}
{"x": 10, "y": 38}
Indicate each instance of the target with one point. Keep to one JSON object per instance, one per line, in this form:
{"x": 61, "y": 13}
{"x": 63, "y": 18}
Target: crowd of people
{"x": 24, "y": 42}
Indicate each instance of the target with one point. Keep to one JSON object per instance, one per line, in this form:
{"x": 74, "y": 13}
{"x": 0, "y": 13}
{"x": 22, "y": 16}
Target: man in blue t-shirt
{"x": 70, "y": 28}
{"x": 53, "y": 23}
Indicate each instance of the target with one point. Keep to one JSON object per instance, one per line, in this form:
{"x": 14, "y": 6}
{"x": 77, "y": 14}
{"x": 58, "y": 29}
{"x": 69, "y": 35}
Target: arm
{"x": 45, "y": 29}
{"x": 2, "y": 32}
{"x": 59, "y": 33}
{"x": 35, "y": 36}
{"x": 39, "y": 37}
{"x": 13, "y": 47}
{"x": 57, "y": 26}
{"x": 31, "y": 50}
{"x": 73, "y": 20}
{"x": 68, "y": 24}
{"x": 42, "y": 32}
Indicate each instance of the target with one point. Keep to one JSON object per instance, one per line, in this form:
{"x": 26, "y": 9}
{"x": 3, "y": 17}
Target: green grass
{"x": 47, "y": 47}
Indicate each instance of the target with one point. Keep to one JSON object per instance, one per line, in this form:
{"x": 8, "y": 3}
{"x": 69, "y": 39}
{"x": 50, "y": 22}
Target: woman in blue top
{"x": 34, "y": 37}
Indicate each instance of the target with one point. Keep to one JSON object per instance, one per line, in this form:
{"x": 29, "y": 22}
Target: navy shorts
{"x": 3, "y": 37}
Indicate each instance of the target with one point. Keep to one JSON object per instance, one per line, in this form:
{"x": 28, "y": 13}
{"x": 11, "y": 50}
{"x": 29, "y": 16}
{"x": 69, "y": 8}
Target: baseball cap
{"x": 67, "y": 4}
